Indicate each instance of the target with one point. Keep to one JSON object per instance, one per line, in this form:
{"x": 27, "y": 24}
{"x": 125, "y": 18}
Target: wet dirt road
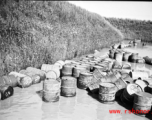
{"x": 27, "y": 104}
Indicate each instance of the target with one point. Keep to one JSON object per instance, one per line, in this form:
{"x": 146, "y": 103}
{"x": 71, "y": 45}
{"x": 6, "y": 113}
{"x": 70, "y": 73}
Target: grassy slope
{"x": 33, "y": 33}
{"x": 133, "y": 29}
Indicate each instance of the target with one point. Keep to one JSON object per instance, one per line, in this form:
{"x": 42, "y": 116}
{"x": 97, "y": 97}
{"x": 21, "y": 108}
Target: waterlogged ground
{"x": 27, "y": 104}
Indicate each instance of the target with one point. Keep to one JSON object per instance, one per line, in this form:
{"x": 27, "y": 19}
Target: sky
{"x": 119, "y": 9}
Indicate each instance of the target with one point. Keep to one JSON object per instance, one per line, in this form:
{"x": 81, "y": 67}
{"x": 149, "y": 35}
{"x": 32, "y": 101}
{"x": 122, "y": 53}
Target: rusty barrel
{"x": 68, "y": 86}
{"x": 6, "y": 92}
{"x": 78, "y": 69}
{"x": 142, "y": 83}
{"x": 127, "y": 96}
{"x": 142, "y": 103}
{"x": 67, "y": 69}
{"x": 126, "y": 56}
{"x": 51, "y": 90}
{"x": 107, "y": 92}
{"x": 133, "y": 57}
{"x": 84, "y": 80}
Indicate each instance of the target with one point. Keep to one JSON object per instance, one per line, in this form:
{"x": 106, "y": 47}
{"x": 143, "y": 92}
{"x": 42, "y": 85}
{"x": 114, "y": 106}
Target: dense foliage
{"x": 37, "y": 32}
{"x": 133, "y": 29}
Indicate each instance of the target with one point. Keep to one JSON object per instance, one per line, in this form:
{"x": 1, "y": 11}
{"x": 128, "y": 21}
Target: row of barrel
{"x": 121, "y": 55}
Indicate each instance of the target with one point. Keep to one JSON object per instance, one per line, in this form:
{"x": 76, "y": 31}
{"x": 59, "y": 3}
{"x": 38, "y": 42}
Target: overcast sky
{"x": 119, "y": 9}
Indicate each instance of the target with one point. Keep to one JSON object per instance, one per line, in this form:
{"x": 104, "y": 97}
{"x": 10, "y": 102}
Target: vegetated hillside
{"x": 133, "y": 29}
{"x": 36, "y": 32}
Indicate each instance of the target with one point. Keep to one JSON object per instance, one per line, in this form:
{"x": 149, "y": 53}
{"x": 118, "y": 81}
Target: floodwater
{"x": 27, "y": 104}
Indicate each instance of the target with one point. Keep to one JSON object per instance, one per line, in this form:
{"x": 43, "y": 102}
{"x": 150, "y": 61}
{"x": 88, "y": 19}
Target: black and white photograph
{"x": 75, "y": 60}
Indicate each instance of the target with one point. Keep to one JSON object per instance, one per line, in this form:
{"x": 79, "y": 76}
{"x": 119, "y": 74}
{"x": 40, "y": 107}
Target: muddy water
{"x": 27, "y": 104}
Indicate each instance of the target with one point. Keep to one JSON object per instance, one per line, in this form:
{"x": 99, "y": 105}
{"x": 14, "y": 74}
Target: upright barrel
{"x": 78, "y": 69}
{"x": 84, "y": 80}
{"x": 67, "y": 69}
{"x": 142, "y": 103}
{"x": 126, "y": 56}
{"x": 118, "y": 56}
{"x": 51, "y": 90}
{"x": 68, "y": 86}
{"x": 107, "y": 92}
{"x": 133, "y": 57}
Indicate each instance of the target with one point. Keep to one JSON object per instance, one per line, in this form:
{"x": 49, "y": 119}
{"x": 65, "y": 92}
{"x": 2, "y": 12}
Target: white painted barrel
{"x": 51, "y": 75}
{"x": 48, "y": 67}
{"x": 59, "y": 63}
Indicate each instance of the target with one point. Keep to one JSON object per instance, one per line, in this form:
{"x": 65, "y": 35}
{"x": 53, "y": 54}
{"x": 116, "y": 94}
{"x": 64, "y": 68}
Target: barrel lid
{"x": 107, "y": 84}
{"x": 133, "y": 88}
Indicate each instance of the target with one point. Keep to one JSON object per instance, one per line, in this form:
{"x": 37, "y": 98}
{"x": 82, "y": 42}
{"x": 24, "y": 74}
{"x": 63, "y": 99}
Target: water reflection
{"x": 50, "y": 110}
{"x": 67, "y": 105}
